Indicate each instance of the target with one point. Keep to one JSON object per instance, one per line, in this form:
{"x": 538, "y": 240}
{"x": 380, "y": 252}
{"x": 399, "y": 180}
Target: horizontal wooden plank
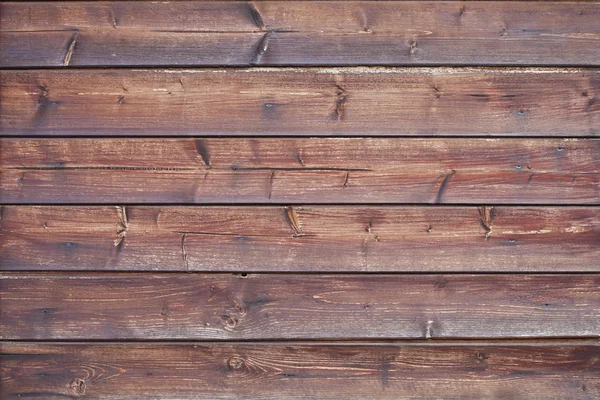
{"x": 300, "y": 371}
{"x": 258, "y": 306}
{"x": 302, "y": 101}
{"x": 214, "y": 33}
{"x": 306, "y": 238}
{"x": 300, "y": 170}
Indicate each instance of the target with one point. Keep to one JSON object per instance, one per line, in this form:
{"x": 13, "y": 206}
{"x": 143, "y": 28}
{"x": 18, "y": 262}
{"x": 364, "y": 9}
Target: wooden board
{"x": 305, "y": 238}
{"x": 57, "y": 34}
{"x": 296, "y": 170}
{"x": 294, "y": 371}
{"x": 263, "y": 306}
{"x": 299, "y": 101}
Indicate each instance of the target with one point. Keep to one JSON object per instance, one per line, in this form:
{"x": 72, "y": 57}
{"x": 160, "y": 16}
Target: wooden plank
{"x": 306, "y": 238}
{"x": 301, "y": 371}
{"x": 302, "y": 101}
{"x": 214, "y": 33}
{"x": 105, "y": 306}
{"x": 300, "y": 170}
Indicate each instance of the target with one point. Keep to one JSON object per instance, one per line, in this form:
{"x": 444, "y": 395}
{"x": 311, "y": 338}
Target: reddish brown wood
{"x": 201, "y": 33}
{"x": 301, "y": 101}
{"x": 256, "y": 306}
{"x": 548, "y": 371}
{"x": 305, "y": 238}
{"x": 297, "y": 170}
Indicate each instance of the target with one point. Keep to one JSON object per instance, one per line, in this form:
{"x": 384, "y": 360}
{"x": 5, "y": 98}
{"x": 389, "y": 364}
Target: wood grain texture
{"x": 306, "y": 238}
{"x": 295, "y": 371}
{"x": 297, "y": 170}
{"x": 302, "y": 101}
{"x": 260, "y": 306}
{"x": 214, "y": 33}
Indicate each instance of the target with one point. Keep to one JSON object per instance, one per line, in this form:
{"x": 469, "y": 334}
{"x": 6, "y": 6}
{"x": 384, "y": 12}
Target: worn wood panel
{"x": 296, "y": 170}
{"x": 306, "y": 238}
{"x": 297, "y": 101}
{"x": 301, "y": 371}
{"x": 205, "y": 33}
{"x": 256, "y": 306}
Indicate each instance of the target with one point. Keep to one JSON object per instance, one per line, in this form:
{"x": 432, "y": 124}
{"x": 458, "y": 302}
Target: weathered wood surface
{"x": 302, "y": 101}
{"x": 45, "y": 306}
{"x": 297, "y": 170}
{"x": 58, "y": 34}
{"x": 305, "y": 238}
{"x": 301, "y": 371}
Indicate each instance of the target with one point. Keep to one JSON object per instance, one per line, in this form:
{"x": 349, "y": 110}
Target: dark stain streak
{"x": 462, "y": 11}
{"x": 261, "y": 48}
{"x": 113, "y": 18}
{"x": 121, "y": 99}
{"x": 384, "y": 372}
{"x": 507, "y": 96}
{"x": 299, "y": 158}
{"x": 590, "y": 103}
{"x": 479, "y": 95}
{"x": 271, "y": 179}
{"x": 202, "y": 150}
{"x": 44, "y": 105}
{"x": 530, "y": 177}
{"x": 256, "y": 17}
{"x": 346, "y": 180}
{"x": 443, "y": 186}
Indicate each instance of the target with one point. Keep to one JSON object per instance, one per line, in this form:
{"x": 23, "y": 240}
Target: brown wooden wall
{"x": 302, "y": 199}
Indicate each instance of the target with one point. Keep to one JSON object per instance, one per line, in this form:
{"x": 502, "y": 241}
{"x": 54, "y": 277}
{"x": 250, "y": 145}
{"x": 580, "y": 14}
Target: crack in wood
{"x": 71, "y": 48}
{"x": 443, "y": 186}
{"x": 294, "y": 221}
{"x": 184, "y": 253}
{"x": 340, "y": 102}
{"x": 122, "y": 227}
{"x": 261, "y": 48}
{"x": 202, "y": 150}
{"x": 486, "y": 216}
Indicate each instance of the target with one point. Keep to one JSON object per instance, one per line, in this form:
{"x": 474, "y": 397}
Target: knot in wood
{"x": 229, "y": 322}
{"x": 481, "y": 357}
{"x": 236, "y": 364}
{"x": 78, "y": 386}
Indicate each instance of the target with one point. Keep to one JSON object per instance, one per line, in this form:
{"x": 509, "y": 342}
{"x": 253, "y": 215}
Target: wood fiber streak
{"x": 258, "y": 306}
{"x": 300, "y": 170}
{"x": 306, "y": 238}
{"x": 302, "y": 101}
{"x": 215, "y": 33}
{"x": 295, "y": 371}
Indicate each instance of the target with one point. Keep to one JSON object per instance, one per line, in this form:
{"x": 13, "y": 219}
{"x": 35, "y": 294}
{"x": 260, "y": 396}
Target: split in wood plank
{"x": 302, "y": 101}
{"x": 215, "y": 33}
